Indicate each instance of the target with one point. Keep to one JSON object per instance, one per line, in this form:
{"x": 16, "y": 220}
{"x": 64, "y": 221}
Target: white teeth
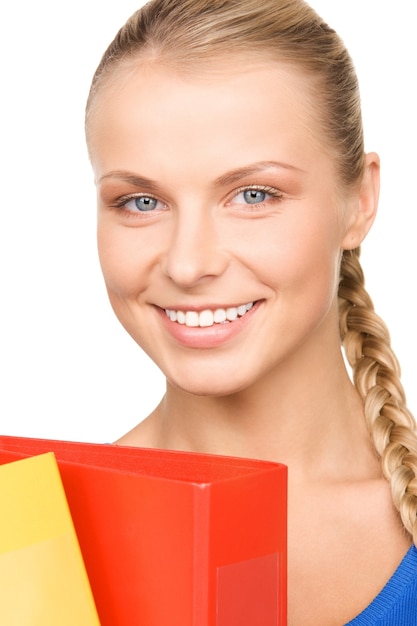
{"x": 192, "y": 318}
{"x": 231, "y": 314}
{"x": 219, "y": 316}
{"x": 207, "y": 317}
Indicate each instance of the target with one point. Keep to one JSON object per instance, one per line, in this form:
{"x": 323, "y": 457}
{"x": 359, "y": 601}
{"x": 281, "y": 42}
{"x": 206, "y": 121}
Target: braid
{"x": 376, "y": 375}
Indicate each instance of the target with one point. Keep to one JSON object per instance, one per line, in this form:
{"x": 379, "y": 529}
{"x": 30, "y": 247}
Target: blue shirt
{"x": 396, "y": 604}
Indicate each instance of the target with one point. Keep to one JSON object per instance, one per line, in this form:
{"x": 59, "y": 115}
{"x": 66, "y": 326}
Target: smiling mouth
{"x": 208, "y": 317}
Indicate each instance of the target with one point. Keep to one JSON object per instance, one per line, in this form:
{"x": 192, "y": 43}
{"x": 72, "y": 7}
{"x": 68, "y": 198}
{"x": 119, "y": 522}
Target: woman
{"x": 233, "y": 196}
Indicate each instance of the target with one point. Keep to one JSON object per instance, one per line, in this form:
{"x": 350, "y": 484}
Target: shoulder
{"x": 397, "y": 602}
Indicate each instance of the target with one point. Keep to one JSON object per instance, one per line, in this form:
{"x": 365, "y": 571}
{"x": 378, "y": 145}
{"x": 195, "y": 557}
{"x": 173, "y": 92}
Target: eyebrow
{"x": 131, "y": 179}
{"x": 225, "y": 179}
{"x": 248, "y": 170}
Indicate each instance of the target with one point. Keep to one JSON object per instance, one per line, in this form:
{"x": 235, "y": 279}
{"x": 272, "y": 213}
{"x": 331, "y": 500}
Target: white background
{"x": 67, "y": 369}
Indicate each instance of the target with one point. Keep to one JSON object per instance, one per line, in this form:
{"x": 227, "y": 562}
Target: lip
{"x": 206, "y": 337}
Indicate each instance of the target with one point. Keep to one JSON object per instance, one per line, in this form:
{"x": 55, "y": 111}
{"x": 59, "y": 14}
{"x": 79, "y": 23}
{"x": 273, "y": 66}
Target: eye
{"x": 256, "y": 195}
{"x": 142, "y": 204}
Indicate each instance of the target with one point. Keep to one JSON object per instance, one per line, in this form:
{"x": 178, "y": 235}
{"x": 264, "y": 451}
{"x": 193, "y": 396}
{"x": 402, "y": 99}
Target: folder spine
{"x": 201, "y": 556}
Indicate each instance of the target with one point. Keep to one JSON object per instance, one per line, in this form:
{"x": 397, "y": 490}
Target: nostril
{"x": 189, "y": 265}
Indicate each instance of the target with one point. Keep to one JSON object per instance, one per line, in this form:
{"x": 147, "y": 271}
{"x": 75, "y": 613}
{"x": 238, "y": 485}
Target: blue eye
{"x": 255, "y": 199}
{"x": 144, "y": 203}
{"x": 135, "y": 205}
{"x": 254, "y": 196}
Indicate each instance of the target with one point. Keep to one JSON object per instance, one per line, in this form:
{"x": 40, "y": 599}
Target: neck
{"x": 312, "y": 421}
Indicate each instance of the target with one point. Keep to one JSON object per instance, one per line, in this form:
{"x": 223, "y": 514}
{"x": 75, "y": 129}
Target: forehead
{"x": 133, "y": 76}
{"x": 254, "y": 108}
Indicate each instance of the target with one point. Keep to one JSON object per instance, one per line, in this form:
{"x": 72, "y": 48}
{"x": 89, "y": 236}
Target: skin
{"x": 272, "y": 385}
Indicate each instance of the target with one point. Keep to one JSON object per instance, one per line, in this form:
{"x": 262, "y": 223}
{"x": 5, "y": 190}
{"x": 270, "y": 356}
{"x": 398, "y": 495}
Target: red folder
{"x": 174, "y": 538}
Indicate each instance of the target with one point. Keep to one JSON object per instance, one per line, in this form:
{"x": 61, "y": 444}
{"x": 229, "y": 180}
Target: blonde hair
{"x": 189, "y": 35}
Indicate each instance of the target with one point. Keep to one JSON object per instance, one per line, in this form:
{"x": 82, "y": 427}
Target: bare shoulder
{"x": 345, "y": 542}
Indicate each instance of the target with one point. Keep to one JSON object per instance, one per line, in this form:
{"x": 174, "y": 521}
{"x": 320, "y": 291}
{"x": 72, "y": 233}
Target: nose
{"x": 194, "y": 253}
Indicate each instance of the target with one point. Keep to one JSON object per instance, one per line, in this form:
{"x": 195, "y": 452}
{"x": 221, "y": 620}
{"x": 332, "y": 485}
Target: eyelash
{"x": 121, "y": 202}
{"x": 276, "y": 195}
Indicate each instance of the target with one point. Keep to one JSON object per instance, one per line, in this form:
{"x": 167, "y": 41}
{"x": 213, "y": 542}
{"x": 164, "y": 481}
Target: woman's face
{"x": 219, "y": 223}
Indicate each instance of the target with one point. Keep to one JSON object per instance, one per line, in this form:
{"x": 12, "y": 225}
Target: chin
{"x": 207, "y": 386}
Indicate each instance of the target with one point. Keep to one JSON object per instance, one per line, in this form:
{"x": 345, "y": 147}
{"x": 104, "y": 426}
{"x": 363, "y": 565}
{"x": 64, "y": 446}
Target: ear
{"x": 364, "y": 204}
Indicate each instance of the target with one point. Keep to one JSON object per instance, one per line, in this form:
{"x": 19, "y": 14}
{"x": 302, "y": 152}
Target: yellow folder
{"x": 43, "y": 581}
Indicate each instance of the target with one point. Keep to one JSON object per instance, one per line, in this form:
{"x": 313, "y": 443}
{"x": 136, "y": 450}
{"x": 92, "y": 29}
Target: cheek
{"x": 120, "y": 259}
{"x": 316, "y": 273}
{"x": 303, "y": 259}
